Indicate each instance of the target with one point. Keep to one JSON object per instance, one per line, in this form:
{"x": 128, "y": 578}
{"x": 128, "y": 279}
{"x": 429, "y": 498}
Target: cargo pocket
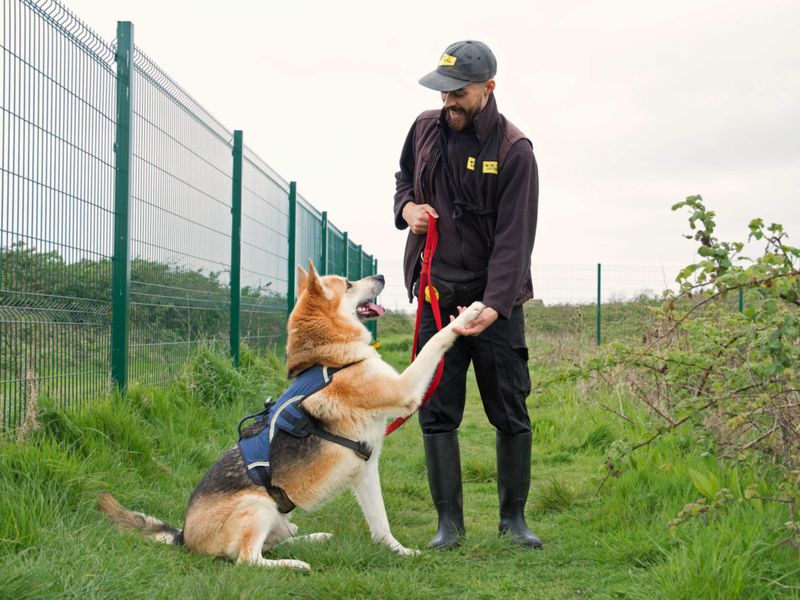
{"x": 520, "y": 375}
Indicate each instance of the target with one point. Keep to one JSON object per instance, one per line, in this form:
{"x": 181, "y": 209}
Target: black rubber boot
{"x": 513, "y": 482}
{"x": 444, "y": 478}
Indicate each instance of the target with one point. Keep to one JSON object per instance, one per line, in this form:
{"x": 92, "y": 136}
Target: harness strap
{"x": 285, "y": 505}
{"x": 431, "y": 241}
{"x": 304, "y": 425}
{"x": 361, "y": 448}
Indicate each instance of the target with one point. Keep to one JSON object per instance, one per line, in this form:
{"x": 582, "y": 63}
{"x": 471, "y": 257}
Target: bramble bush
{"x": 732, "y": 377}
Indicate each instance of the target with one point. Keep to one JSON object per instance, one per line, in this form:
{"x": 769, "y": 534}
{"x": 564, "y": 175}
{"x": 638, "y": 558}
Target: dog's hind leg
{"x": 368, "y": 493}
{"x": 251, "y": 546}
{"x": 309, "y": 537}
{"x": 254, "y": 525}
{"x": 284, "y": 533}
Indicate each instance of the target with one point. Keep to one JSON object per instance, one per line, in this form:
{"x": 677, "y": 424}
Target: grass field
{"x": 613, "y": 542}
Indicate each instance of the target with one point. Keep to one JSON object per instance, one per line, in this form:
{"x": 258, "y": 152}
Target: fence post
{"x": 121, "y": 265}
{"x": 741, "y": 300}
{"x": 236, "y": 245}
{"x": 292, "y": 235}
{"x": 360, "y": 262}
{"x": 375, "y": 322}
{"x": 346, "y": 261}
{"x": 599, "y": 338}
{"x": 324, "y": 266}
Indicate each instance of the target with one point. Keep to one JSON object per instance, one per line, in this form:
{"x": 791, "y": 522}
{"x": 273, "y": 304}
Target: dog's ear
{"x": 302, "y": 280}
{"x": 313, "y": 282}
{"x": 311, "y": 269}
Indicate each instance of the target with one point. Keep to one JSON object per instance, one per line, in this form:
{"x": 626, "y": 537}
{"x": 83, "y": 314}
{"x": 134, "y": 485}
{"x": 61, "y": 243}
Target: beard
{"x": 457, "y": 119}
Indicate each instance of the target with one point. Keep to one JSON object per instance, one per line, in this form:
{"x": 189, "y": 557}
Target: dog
{"x": 231, "y": 515}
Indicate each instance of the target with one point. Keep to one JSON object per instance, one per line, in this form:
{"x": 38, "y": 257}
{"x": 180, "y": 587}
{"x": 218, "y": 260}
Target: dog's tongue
{"x": 375, "y": 308}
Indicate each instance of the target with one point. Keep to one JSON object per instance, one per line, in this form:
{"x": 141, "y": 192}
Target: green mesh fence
{"x": 581, "y": 306}
{"x": 308, "y": 241}
{"x": 265, "y": 254}
{"x": 70, "y": 319}
{"x": 56, "y": 184}
{"x": 353, "y": 261}
{"x": 337, "y": 248}
{"x": 180, "y": 229}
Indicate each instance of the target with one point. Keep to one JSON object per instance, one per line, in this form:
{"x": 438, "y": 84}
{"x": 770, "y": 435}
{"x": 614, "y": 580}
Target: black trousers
{"x": 500, "y": 358}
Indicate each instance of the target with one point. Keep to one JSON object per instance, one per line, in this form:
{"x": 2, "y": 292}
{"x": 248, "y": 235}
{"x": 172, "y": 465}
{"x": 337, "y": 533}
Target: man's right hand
{"x": 416, "y": 215}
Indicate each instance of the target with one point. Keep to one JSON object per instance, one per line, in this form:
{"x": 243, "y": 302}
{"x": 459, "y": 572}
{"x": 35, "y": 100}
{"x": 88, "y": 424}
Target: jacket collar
{"x": 484, "y": 122}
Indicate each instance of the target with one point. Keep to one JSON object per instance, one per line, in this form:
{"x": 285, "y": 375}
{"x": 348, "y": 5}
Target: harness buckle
{"x": 363, "y": 450}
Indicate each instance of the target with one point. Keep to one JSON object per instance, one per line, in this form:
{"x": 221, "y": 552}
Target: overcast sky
{"x": 631, "y": 105}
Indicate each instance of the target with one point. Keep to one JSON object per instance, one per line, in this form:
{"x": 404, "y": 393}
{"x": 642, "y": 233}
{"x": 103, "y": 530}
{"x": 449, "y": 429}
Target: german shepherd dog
{"x": 230, "y": 515}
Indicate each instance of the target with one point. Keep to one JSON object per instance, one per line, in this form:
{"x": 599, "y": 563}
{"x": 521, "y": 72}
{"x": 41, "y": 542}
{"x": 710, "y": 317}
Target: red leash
{"x": 425, "y": 284}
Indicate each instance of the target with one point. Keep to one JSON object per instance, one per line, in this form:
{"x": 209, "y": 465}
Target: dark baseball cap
{"x": 461, "y": 63}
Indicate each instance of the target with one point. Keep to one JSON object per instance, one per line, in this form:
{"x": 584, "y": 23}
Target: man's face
{"x": 463, "y": 104}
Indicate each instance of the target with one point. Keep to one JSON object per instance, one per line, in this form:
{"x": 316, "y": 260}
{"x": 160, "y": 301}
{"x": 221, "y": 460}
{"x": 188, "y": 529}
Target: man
{"x": 475, "y": 172}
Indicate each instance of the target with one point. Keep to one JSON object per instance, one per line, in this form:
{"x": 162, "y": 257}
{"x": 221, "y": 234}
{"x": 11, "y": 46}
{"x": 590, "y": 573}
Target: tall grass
{"x": 151, "y": 449}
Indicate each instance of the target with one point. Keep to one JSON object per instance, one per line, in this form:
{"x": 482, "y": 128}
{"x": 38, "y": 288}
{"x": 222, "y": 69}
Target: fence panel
{"x": 309, "y": 234}
{"x": 180, "y": 213}
{"x": 265, "y": 253}
{"x": 56, "y": 184}
{"x": 58, "y": 133}
{"x": 353, "y": 261}
{"x": 336, "y": 251}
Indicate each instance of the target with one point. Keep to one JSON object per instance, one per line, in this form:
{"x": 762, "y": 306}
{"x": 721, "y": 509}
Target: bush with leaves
{"x": 732, "y": 376}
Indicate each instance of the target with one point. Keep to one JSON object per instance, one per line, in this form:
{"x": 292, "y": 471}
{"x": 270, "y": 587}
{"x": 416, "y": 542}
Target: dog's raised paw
{"x": 470, "y": 313}
{"x": 475, "y": 308}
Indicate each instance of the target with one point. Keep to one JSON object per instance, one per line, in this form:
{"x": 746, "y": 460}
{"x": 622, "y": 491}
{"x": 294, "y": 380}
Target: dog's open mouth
{"x": 368, "y": 310}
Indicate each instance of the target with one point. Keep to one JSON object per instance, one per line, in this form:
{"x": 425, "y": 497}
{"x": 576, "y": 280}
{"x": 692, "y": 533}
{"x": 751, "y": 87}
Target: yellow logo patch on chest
{"x": 471, "y": 163}
{"x": 490, "y": 166}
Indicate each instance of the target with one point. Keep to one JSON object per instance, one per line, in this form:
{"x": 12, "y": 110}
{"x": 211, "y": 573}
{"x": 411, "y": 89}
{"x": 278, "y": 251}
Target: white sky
{"x": 631, "y": 105}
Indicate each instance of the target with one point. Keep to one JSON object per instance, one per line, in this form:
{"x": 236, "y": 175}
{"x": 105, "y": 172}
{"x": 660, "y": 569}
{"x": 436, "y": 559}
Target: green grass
{"x": 609, "y": 542}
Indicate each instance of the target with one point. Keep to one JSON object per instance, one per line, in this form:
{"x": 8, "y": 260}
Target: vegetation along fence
{"x": 579, "y": 306}
{"x": 134, "y": 225}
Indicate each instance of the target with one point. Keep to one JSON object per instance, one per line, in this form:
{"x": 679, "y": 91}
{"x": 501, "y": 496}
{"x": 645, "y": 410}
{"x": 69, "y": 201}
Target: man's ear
{"x": 302, "y": 280}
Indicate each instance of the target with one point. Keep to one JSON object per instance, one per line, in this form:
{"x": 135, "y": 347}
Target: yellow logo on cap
{"x": 490, "y": 166}
{"x": 447, "y": 60}
{"x": 471, "y": 163}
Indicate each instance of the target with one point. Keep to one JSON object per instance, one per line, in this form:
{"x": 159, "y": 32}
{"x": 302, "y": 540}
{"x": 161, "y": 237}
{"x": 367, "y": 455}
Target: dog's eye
{"x": 349, "y": 285}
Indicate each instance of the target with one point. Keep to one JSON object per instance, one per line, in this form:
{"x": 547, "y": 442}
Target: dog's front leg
{"x": 368, "y": 493}
{"x": 417, "y": 377}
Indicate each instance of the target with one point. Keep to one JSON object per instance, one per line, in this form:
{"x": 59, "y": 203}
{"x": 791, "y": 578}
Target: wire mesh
{"x": 179, "y": 227}
{"x": 265, "y": 254}
{"x": 353, "y": 261}
{"x": 56, "y": 183}
{"x": 309, "y": 234}
{"x": 336, "y": 251}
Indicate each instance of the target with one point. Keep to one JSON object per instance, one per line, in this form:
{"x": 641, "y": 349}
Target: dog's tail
{"x": 128, "y": 520}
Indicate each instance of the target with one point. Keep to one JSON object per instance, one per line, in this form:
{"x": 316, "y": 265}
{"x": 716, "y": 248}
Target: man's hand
{"x": 486, "y": 317}
{"x": 416, "y": 215}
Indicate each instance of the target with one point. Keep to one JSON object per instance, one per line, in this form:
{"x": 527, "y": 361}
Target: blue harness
{"x": 286, "y": 415}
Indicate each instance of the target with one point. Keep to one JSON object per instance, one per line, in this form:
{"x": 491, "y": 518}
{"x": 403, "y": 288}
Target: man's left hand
{"x": 486, "y": 317}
